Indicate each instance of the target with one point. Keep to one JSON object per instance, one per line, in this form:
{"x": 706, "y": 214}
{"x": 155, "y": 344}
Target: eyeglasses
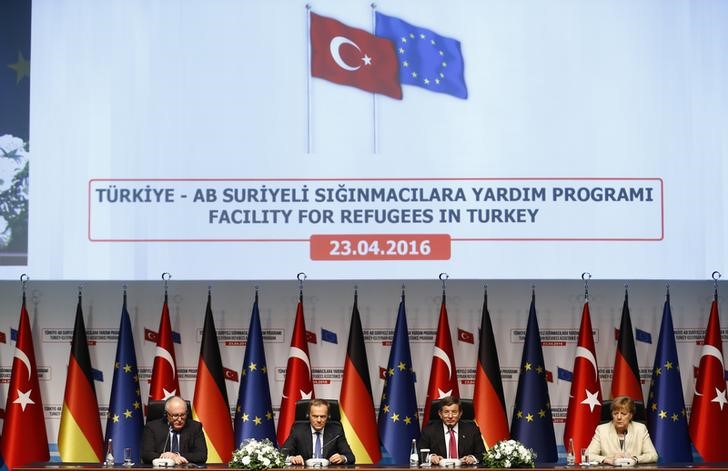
{"x": 449, "y": 413}
{"x": 176, "y": 416}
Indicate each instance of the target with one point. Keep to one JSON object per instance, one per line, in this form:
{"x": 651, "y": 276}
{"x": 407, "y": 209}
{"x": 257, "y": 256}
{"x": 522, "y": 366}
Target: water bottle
{"x": 109, "y": 454}
{"x": 570, "y": 458}
{"x": 414, "y": 456}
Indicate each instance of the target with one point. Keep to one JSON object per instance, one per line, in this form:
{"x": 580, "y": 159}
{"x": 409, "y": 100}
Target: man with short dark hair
{"x": 451, "y": 438}
{"x": 174, "y": 436}
{"x": 317, "y": 439}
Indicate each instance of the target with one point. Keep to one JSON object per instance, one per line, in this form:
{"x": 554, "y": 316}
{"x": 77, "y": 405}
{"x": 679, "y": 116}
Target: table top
{"x": 370, "y": 467}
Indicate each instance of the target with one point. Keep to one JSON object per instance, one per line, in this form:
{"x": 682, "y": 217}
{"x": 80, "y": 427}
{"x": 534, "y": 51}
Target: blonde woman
{"x": 622, "y": 438}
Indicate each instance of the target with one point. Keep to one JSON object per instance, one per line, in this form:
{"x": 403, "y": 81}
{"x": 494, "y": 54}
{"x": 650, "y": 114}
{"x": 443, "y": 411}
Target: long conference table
{"x": 366, "y": 467}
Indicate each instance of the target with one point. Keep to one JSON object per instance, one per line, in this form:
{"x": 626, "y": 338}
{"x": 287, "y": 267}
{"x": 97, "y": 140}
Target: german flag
{"x": 357, "y": 406}
{"x": 79, "y": 434}
{"x": 210, "y": 403}
{"x": 626, "y": 375}
{"x": 488, "y": 400}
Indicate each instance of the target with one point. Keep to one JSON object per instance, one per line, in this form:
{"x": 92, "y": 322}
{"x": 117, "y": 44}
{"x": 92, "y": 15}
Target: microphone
{"x": 166, "y": 440}
{"x": 323, "y": 447}
{"x": 624, "y": 439}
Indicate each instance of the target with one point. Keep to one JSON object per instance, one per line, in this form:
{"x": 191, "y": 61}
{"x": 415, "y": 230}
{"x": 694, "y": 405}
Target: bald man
{"x": 175, "y": 436}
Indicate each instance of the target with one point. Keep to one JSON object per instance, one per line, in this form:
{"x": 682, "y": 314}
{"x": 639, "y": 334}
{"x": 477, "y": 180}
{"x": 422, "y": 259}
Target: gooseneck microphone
{"x": 166, "y": 440}
{"x": 323, "y": 447}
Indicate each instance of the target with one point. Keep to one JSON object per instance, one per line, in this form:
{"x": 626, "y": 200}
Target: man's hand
{"x": 298, "y": 459}
{"x": 435, "y": 459}
{"x": 176, "y": 457}
{"x": 469, "y": 459}
{"x": 337, "y": 459}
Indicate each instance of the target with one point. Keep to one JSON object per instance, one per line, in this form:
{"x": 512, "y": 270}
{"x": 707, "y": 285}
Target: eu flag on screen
{"x": 426, "y": 59}
{"x": 15, "y": 68}
{"x": 666, "y": 415}
{"x": 643, "y": 336}
{"x": 398, "y": 418}
{"x": 254, "y": 412}
{"x": 329, "y": 336}
{"x": 532, "y": 422}
{"x": 126, "y": 418}
{"x": 564, "y": 374}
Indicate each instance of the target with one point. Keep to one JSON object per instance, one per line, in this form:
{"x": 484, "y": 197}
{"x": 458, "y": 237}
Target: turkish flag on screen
{"x": 354, "y": 57}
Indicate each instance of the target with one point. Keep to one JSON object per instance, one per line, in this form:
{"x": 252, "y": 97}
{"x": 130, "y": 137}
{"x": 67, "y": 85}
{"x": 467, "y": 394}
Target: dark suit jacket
{"x": 300, "y": 442}
{"x": 470, "y": 441}
{"x": 155, "y": 440}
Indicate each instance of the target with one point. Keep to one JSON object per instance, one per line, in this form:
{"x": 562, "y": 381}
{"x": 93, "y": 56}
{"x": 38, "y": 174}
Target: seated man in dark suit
{"x": 175, "y": 436}
{"x": 316, "y": 439}
{"x": 451, "y": 438}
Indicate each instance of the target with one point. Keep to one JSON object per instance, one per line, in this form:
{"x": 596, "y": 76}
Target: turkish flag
{"x": 164, "y": 381}
{"x": 585, "y": 398}
{"x": 709, "y": 414}
{"x": 150, "y": 335}
{"x": 298, "y": 383}
{"x": 443, "y": 373}
{"x": 354, "y": 57}
{"x": 230, "y": 374}
{"x": 465, "y": 336}
{"x": 24, "y": 438}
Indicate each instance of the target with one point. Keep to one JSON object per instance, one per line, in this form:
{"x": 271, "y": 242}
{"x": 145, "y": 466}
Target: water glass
{"x": 585, "y": 457}
{"x": 424, "y": 457}
{"x": 127, "y": 457}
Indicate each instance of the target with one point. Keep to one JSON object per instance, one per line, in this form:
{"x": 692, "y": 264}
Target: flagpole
{"x": 301, "y": 276}
{"x": 166, "y": 276}
{"x": 375, "y": 134}
{"x": 23, "y": 281}
{"x": 308, "y": 79}
{"x": 716, "y": 276}
{"x": 586, "y": 276}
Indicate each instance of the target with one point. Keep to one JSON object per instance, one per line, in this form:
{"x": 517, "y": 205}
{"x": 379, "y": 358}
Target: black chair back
{"x": 640, "y": 413}
{"x": 465, "y": 404}
{"x": 155, "y": 410}
{"x": 302, "y": 410}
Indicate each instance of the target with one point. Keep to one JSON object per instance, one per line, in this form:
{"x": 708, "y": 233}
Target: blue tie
{"x": 175, "y": 442}
{"x": 317, "y": 446}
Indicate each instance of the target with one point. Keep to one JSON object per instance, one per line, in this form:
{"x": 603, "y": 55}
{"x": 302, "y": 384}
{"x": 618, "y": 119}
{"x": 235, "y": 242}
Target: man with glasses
{"x": 316, "y": 439}
{"x": 451, "y": 438}
{"x": 173, "y": 436}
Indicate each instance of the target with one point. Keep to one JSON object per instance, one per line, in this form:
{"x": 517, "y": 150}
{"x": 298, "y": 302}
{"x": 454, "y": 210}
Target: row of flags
{"x": 374, "y": 439}
{"x": 397, "y": 53}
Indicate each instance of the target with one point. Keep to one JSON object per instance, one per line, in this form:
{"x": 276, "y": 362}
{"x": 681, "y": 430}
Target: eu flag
{"x": 254, "y": 412}
{"x": 532, "y": 422}
{"x": 125, "y": 420}
{"x": 666, "y": 415}
{"x": 426, "y": 59}
{"x": 15, "y": 20}
{"x": 398, "y": 418}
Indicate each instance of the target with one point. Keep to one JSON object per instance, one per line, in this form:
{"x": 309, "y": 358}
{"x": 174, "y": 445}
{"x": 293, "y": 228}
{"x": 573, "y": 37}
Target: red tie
{"x": 453, "y": 445}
